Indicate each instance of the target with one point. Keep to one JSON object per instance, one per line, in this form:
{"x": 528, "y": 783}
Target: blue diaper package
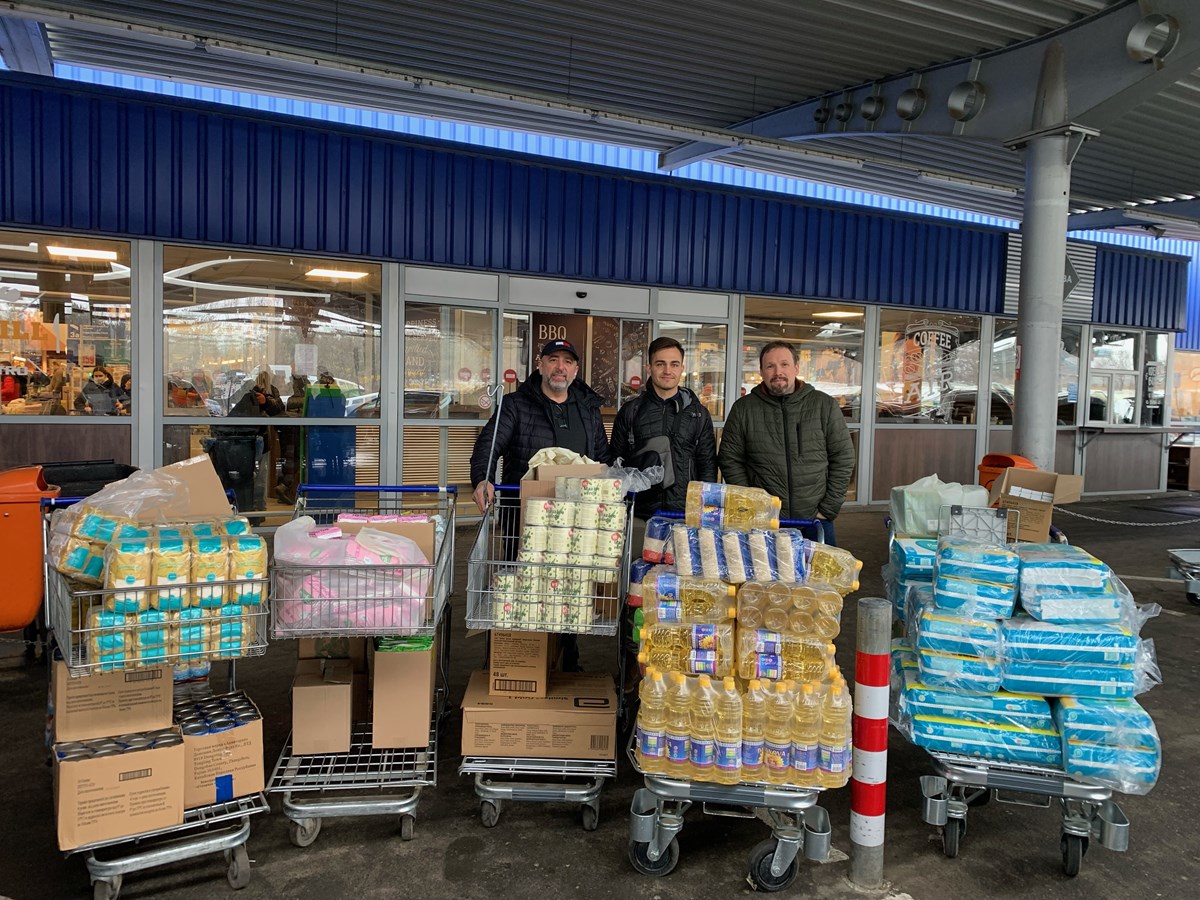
{"x": 945, "y": 633}
{"x": 1029, "y": 639}
{"x": 1063, "y": 565}
{"x": 1050, "y": 603}
{"x": 961, "y": 558}
{"x": 963, "y": 673}
{"x": 1127, "y": 769}
{"x": 1002, "y": 743}
{"x": 1069, "y": 680}
{"x": 997, "y": 708}
{"x": 913, "y": 557}
{"x": 978, "y": 599}
{"x": 1117, "y": 723}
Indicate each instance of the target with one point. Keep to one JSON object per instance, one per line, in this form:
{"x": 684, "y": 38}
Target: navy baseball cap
{"x": 560, "y": 347}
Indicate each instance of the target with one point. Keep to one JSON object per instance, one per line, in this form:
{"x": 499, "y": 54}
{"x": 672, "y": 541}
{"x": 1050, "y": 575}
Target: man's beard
{"x": 559, "y": 382}
{"x": 780, "y": 390}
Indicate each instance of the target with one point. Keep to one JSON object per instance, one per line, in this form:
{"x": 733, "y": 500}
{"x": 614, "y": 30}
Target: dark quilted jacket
{"x": 693, "y": 447}
{"x": 525, "y": 427}
{"x": 795, "y": 447}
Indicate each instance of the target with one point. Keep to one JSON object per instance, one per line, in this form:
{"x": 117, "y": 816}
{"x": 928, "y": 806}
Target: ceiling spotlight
{"x": 336, "y": 274}
{"x": 82, "y": 253}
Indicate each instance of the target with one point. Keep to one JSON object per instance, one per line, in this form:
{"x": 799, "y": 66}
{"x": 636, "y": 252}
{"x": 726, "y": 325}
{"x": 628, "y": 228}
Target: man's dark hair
{"x": 775, "y": 345}
{"x": 664, "y": 343}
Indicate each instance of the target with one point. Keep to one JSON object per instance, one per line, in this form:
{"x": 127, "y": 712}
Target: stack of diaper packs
{"x": 910, "y": 566}
{"x": 1051, "y": 685}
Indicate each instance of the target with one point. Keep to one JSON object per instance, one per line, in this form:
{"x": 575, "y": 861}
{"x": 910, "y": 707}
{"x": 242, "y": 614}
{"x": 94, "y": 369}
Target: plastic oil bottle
{"x": 652, "y": 722}
{"x": 834, "y": 747}
{"x": 680, "y": 599}
{"x": 703, "y": 747}
{"x": 729, "y": 733}
{"x": 679, "y": 728}
{"x": 751, "y": 604}
{"x": 778, "y": 736}
{"x": 754, "y": 726}
{"x": 806, "y": 659}
{"x": 807, "y": 711}
{"x": 730, "y": 506}
{"x": 833, "y": 567}
{"x": 779, "y": 606}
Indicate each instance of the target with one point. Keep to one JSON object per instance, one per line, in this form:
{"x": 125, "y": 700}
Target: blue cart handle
{"x": 60, "y": 502}
{"x": 376, "y": 488}
{"x": 783, "y": 523}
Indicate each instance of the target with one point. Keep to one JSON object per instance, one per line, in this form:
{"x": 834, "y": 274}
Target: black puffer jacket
{"x": 693, "y": 446}
{"x": 525, "y": 427}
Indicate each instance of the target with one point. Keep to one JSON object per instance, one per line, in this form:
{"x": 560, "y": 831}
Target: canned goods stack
{"x": 125, "y": 743}
{"x": 213, "y": 715}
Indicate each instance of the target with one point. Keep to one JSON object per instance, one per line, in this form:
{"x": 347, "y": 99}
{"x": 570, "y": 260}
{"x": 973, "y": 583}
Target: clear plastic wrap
{"x": 690, "y": 649}
{"x": 688, "y": 600}
{"x": 832, "y": 567}
{"x": 1002, "y": 743}
{"x": 791, "y": 555}
{"x": 1070, "y": 680}
{"x": 977, "y": 599}
{"x": 913, "y": 557}
{"x": 916, "y": 598}
{"x": 975, "y": 561}
{"x": 712, "y": 554}
{"x": 1064, "y": 566}
{"x": 998, "y": 708}
{"x": 1055, "y": 604}
{"x": 942, "y": 633}
{"x": 686, "y": 542}
{"x": 960, "y": 673}
{"x": 658, "y": 546}
{"x": 762, "y": 554}
{"x": 1113, "y": 742}
{"x": 1029, "y": 639}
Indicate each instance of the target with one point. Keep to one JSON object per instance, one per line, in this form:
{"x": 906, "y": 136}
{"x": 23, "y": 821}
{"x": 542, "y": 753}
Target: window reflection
{"x": 704, "y": 361}
{"x": 448, "y": 355}
{"x": 929, "y": 370}
{"x": 1004, "y": 365}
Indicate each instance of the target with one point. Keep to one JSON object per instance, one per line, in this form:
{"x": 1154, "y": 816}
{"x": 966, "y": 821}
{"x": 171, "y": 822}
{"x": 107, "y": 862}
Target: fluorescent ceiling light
{"x": 9, "y": 273}
{"x": 83, "y": 253}
{"x": 968, "y": 184}
{"x": 1158, "y": 218}
{"x": 23, "y": 288}
{"x": 336, "y": 274}
{"x": 838, "y": 314}
{"x": 31, "y": 247}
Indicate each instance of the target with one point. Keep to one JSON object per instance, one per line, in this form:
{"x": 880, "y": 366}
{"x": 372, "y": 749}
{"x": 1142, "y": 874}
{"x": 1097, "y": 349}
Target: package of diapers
{"x": 1069, "y": 679}
{"x": 960, "y": 558}
{"x": 1132, "y": 770}
{"x": 997, "y": 708}
{"x": 944, "y": 633}
{"x": 1051, "y": 603}
{"x": 1117, "y": 723}
{"x": 1064, "y": 566}
{"x": 127, "y": 574}
{"x": 1025, "y": 638}
{"x": 1002, "y": 743}
{"x": 977, "y": 599}
{"x": 913, "y": 557}
{"x": 962, "y": 673}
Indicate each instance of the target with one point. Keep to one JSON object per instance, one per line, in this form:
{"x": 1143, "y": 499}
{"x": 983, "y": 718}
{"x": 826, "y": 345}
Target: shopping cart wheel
{"x": 489, "y": 813}
{"x": 760, "y": 868}
{"x": 238, "y": 874}
{"x": 952, "y": 834}
{"x": 1073, "y": 848}
{"x": 664, "y": 865}
{"x": 1193, "y": 599}
{"x": 406, "y": 827}
{"x": 304, "y": 832}
{"x": 107, "y": 888}
{"x": 591, "y": 816}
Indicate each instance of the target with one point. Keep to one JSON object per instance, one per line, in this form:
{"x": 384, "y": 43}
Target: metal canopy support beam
{"x": 1048, "y": 156}
{"x": 24, "y": 46}
{"x": 1177, "y": 214}
{"x": 987, "y": 97}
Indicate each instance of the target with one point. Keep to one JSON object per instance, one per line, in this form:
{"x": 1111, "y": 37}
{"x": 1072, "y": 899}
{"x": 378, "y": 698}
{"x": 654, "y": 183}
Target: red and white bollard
{"x": 868, "y": 787}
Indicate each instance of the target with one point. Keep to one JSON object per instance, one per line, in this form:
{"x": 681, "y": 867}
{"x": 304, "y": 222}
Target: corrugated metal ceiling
{"x": 659, "y": 67}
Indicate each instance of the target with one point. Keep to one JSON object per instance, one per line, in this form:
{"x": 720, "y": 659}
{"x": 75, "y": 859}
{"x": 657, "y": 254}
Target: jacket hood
{"x": 683, "y": 398}
{"x": 802, "y": 388}
{"x": 580, "y": 391}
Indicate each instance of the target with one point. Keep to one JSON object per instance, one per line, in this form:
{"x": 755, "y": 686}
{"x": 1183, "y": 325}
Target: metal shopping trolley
{"x": 1088, "y": 810}
{"x": 365, "y": 601}
{"x": 84, "y": 620}
{"x": 567, "y": 596}
{"x": 799, "y": 827}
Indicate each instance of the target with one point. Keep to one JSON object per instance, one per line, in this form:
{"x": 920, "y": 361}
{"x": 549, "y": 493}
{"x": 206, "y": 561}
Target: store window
{"x": 1004, "y": 365}
{"x": 827, "y": 337}
{"x": 929, "y": 370}
{"x": 1185, "y": 388}
{"x": 1114, "y": 377}
{"x": 704, "y": 361}
{"x": 64, "y": 325}
{"x": 449, "y": 352}
{"x": 1154, "y": 379}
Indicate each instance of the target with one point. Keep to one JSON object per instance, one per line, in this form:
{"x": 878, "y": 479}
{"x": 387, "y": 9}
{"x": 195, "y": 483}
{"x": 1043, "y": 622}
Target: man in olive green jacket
{"x": 791, "y": 440}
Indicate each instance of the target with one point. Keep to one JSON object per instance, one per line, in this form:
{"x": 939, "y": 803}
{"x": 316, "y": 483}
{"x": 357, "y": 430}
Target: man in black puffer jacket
{"x": 551, "y": 409}
{"x": 664, "y": 409}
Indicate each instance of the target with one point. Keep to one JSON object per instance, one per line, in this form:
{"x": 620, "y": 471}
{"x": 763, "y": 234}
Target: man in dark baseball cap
{"x": 560, "y": 347}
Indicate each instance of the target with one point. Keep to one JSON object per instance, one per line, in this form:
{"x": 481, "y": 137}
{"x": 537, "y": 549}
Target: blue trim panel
{"x": 1140, "y": 290}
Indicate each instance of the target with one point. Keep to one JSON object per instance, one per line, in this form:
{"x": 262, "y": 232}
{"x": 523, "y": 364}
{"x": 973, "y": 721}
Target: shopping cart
{"x": 1186, "y": 568}
{"x": 216, "y": 828}
{"x": 364, "y": 601}
{"x": 799, "y": 827}
{"x": 1088, "y": 810}
{"x": 495, "y": 599}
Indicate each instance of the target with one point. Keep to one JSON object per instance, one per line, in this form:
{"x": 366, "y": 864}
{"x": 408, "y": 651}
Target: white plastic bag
{"x": 916, "y": 508}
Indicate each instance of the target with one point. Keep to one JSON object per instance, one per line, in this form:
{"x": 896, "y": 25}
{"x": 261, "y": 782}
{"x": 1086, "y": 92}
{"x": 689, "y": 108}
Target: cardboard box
{"x": 402, "y": 699}
{"x": 322, "y": 703}
{"x": 109, "y": 797}
{"x": 223, "y": 766}
{"x": 111, "y": 703}
{"x": 1034, "y": 494}
{"x": 353, "y": 649}
{"x": 423, "y": 534}
{"x": 204, "y": 498}
{"x": 576, "y": 720}
{"x": 520, "y": 663}
{"x": 549, "y": 473}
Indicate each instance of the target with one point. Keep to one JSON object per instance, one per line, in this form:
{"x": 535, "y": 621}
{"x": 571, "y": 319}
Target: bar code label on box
{"x": 514, "y": 685}
{"x": 143, "y": 675}
{"x": 135, "y": 774}
{"x": 599, "y": 742}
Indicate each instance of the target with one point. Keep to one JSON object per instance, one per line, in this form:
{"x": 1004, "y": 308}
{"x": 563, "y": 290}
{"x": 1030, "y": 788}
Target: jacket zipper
{"x": 787, "y": 453}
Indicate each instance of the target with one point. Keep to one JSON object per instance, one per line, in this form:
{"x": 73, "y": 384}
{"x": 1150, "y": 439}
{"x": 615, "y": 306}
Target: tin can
{"x": 611, "y": 517}
{"x": 535, "y": 511}
{"x": 107, "y": 751}
{"x": 127, "y": 738}
{"x": 219, "y": 724}
{"x": 68, "y": 747}
{"x": 529, "y": 580}
{"x": 587, "y": 514}
{"x": 589, "y": 489}
{"x": 168, "y": 740}
{"x": 141, "y": 743}
{"x": 563, "y": 487}
{"x": 612, "y": 490}
{"x": 534, "y": 538}
{"x": 610, "y": 543}
{"x": 68, "y": 755}
{"x": 248, "y": 715}
{"x": 194, "y": 728}
{"x": 585, "y": 541}
{"x": 561, "y": 513}
{"x": 561, "y": 540}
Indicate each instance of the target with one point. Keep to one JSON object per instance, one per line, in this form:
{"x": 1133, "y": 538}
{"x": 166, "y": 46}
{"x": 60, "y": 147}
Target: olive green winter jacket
{"x": 796, "y": 447}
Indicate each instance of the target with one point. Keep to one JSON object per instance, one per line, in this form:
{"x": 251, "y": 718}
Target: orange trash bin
{"x": 994, "y": 463}
{"x": 21, "y": 493}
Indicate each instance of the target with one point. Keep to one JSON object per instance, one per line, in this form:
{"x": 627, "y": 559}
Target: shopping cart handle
{"x": 783, "y": 523}
{"x": 376, "y": 488}
{"x": 60, "y": 502}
